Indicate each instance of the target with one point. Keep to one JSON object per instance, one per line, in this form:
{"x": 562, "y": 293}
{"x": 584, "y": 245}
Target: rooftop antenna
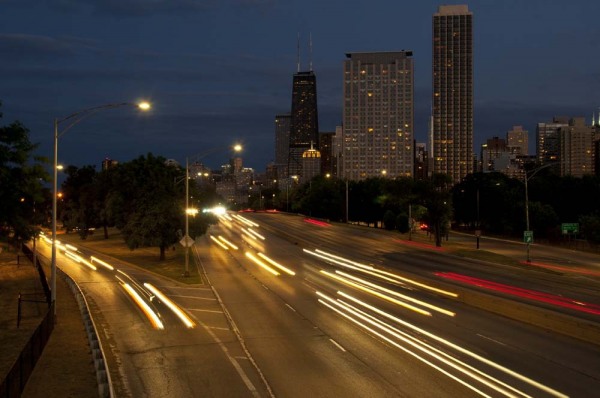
{"x": 310, "y": 51}
{"x": 298, "y": 53}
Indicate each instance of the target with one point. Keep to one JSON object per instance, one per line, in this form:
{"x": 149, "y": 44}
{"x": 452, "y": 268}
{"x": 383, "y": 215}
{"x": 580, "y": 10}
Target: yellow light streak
{"x": 375, "y": 293}
{"x": 187, "y": 321}
{"x": 80, "y": 260}
{"x": 71, "y": 247}
{"x": 456, "y": 347}
{"x": 218, "y": 242}
{"x": 276, "y": 264}
{"x": 374, "y": 271}
{"x": 245, "y": 220}
{"x": 228, "y": 243}
{"x": 104, "y": 264}
{"x": 245, "y": 232}
{"x": 151, "y": 315}
{"x": 394, "y": 293}
{"x": 262, "y": 264}
{"x": 253, "y": 232}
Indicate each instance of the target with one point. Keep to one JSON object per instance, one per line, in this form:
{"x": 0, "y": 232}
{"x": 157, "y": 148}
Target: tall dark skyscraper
{"x": 304, "y": 124}
{"x": 452, "y": 102}
{"x": 282, "y": 144}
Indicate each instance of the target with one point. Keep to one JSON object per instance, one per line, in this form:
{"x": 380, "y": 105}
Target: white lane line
{"x": 201, "y": 310}
{"x": 335, "y": 343}
{"x": 184, "y": 288}
{"x": 290, "y": 307}
{"x": 490, "y": 339}
{"x": 197, "y": 298}
{"x": 233, "y": 361}
{"x": 218, "y": 328}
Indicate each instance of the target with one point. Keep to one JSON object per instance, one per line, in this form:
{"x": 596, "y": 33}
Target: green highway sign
{"x": 569, "y": 228}
{"x": 528, "y": 236}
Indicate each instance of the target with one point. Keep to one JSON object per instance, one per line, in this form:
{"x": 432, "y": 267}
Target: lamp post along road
{"x": 187, "y": 241}
{"x": 74, "y": 118}
{"x": 530, "y": 238}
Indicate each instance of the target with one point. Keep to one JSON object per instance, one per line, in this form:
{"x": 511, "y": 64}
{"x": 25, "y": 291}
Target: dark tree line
{"x": 143, "y": 198}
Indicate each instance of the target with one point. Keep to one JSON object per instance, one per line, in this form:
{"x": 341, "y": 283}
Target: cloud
{"x": 24, "y": 46}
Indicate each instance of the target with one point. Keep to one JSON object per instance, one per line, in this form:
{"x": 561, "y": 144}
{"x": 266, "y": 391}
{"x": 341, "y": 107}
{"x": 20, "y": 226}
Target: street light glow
{"x": 237, "y": 148}
{"x": 144, "y": 105}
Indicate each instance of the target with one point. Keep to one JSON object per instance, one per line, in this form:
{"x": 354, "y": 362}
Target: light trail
{"x": 316, "y": 222}
{"x": 368, "y": 269}
{"x": 253, "y": 232}
{"x": 80, "y": 260}
{"x": 400, "y": 295}
{"x": 151, "y": 315}
{"x": 218, "y": 242}
{"x": 454, "y": 346}
{"x": 228, "y": 243}
{"x": 262, "y": 264}
{"x": 104, "y": 264}
{"x": 245, "y": 220}
{"x": 558, "y": 301}
{"x": 187, "y": 321}
{"x": 276, "y": 264}
{"x": 246, "y": 233}
{"x": 71, "y": 247}
{"x": 376, "y": 293}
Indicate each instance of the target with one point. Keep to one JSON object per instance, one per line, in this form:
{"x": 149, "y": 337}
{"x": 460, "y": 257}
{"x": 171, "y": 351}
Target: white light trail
{"x": 151, "y": 315}
{"x": 262, "y": 264}
{"x": 102, "y": 263}
{"x": 228, "y": 243}
{"x": 276, "y": 264}
{"x": 187, "y": 321}
{"x": 80, "y": 260}
{"x": 253, "y": 232}
{"x": 218, "y": 242}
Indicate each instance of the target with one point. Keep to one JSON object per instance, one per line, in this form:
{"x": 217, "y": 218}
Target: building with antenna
{"x": 304, "y": 119}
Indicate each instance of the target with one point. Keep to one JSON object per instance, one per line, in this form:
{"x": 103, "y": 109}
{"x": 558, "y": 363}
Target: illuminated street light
{"x": 73, "y": 119}
{"x": 187, "y": 239}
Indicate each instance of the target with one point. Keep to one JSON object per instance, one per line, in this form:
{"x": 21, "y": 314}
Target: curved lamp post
{"x": 73, "y": 119}
{"x": 187, "y": 239}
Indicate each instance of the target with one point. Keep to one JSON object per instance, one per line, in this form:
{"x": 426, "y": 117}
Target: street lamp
{"x": 73, "y": 118}
{"x": 187, "y": 240}
{"x": 530, "y": 237}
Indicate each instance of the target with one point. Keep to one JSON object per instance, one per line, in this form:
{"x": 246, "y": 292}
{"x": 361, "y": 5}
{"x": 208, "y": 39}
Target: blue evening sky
{"x": 218, "y": 71}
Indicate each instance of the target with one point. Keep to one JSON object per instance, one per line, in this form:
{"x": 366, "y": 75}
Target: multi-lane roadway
{"x": 297, "y": 308}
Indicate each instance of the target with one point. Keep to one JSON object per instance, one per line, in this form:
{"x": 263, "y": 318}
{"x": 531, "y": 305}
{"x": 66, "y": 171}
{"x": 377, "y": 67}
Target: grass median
{"x": 172, "y": 267}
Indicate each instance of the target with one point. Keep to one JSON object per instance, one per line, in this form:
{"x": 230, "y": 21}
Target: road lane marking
{"x": 201, "y": 310}
{"x": 195, "y": 297}
{"x": 290, "y": 307}
{"x": 335, "y": 343}
{"x": 218, "y": 328}
{"x": 490, "y": 339}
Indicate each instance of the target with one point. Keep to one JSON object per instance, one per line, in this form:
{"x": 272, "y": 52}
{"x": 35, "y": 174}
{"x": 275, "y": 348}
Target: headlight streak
{"x": 71, "y": 247}
{"x": 395, "y": 344}
{"x": 262, "y": 264}
{"x": 246, "y": 233}
{"x": 104, "y": 264}
{"x": 377, "y": 294}
{"x": 218, "y": 242}
{"x": 454, "y": 346}
{"x": 366, "y": 268}
{"x": 244, "y": 220}
{"x": 151, "y": 315}
{"x": 394, "y": 293}
{"x": 253, "y": 232}
{"x": 187, "y": 321}
{"x": 228, "y": 243}
{"x": 276, "y": 264}
{"x": 80, "y": 260}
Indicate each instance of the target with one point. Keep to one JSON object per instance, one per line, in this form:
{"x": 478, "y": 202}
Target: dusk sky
{"x": 218, "y": 71}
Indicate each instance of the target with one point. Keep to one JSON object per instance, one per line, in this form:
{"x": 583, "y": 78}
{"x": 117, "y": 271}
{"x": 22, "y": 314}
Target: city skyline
{"x": 218, "y": 73}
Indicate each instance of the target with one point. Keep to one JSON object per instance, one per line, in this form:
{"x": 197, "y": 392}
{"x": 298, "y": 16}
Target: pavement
{"x": 66, "y": 366}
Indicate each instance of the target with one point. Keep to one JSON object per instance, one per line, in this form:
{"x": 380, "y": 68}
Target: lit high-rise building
{"x": 304, "y": 123}
{"x": 328, "y": 158}
{"x": 378, "y": 121}
{"x": 517, "y": 141}
{"x": 282, "y": 143}
{"x": 576, "y": 142}
{"x": 547, "y": 144}
{"x": 452, "y": 102}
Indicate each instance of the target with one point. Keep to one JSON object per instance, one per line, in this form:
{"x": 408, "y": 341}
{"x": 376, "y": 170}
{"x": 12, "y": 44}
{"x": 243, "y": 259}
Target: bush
{"x": 389, "y": 220}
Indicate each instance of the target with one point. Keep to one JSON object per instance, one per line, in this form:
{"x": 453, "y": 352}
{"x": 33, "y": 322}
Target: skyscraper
{"x": 304, "y": 123}
{"x": 517, "y": 141}
{"x": 282, "y": 144}
{"x": 546, "y": 137}
{"x": 378, "y": 115}
{"x": 452, "y": 102}
{"x": 576, "y": 142}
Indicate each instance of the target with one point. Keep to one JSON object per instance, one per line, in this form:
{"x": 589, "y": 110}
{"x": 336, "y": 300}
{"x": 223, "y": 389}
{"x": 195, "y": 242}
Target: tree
{"x": 437, "y": 200}
{"x": 389, "y": 220}
{"x": 79, "y": 191}
{"x": 21, "y": 176}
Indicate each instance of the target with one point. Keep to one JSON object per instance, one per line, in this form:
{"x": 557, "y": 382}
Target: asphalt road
{"x": 364, "y": 316}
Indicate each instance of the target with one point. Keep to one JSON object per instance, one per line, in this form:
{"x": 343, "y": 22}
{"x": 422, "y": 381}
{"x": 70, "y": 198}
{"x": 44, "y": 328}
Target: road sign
{"x": 569, "y": 228}
{"x": 187, "y": 241}
{"x": 528, "y": 236}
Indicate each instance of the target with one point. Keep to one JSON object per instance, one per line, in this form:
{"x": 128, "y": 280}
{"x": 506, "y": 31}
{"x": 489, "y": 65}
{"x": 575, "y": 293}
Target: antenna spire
{"x": 298, "y": 53}
{"x": 310, "y": 51}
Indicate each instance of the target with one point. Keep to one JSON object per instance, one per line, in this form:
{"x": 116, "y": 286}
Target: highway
{"x": 297, "y": 309}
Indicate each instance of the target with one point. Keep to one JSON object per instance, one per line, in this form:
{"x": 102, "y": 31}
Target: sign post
{"x": 528, "y": 238}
